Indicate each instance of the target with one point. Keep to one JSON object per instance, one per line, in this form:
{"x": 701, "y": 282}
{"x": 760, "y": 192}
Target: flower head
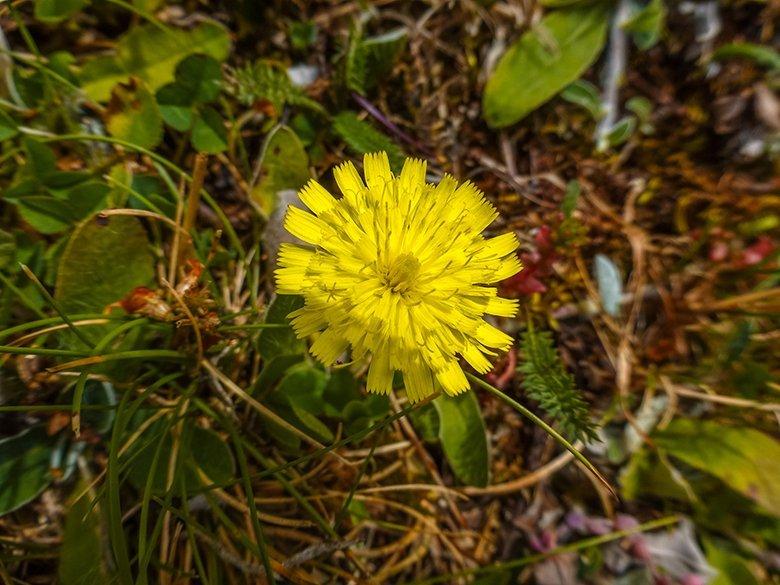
{"x": 399, "y": 269}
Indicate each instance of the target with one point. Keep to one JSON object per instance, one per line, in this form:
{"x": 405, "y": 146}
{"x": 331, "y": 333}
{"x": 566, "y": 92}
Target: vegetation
{"x": 161, "y": 421}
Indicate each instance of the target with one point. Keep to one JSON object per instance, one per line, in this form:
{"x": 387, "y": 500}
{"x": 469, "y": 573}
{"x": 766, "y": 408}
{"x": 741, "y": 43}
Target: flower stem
{"x": 547, "y": 428}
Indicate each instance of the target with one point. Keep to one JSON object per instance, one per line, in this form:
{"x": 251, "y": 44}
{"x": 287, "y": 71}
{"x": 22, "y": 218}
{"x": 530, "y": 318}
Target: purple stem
{"x": 374, "y": 112}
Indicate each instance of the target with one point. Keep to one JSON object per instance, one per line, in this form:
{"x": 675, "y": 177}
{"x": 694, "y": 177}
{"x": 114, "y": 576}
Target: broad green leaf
{"x": 24, "y": 467}
{"x": 81, "y": 554}
{"x": 362, "y": 413}
{"x": 463, "y": 438}
{"x": 746, "y": 460}
{"x": 342, "y": 388}
{"x": 152, "y": 54}
{"x": 133, "y": 115}
{"x": 175, "y": 106}
{"x": 544, "y": 61}
{"x": 284, "y": 166}
{"x": 200, "y": 450}
{"x": 279, "y": 341}
{"x": 105, "y": 259}
{"x": 201, "y": 77}
{"x": 362, "y": 137}
{"x": 299, "y": 395}
{"x": 198, "y": 81}
{"x": 208, "y": 131}
{"x": 56, "y": 10}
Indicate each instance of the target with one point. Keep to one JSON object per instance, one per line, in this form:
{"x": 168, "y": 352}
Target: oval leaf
{"x": 745, "y": 459}
{"x": 544, "y": 61}
{"x": 463, "y": 438}
{"x": 24, "y": 468}
{"x": 104, "y": 260}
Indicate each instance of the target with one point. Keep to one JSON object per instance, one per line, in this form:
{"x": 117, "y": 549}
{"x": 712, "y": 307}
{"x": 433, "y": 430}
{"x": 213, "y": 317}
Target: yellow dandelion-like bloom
{"x": 399, "y": 269}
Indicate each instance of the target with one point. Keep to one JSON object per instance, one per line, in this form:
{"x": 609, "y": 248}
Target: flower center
{"x": 400, "y": 274}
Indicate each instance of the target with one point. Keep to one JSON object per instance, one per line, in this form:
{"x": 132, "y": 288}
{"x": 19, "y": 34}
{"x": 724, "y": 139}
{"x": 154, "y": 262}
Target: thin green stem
{"x": 584, "y": 544}
{"x": 547, "y": 428}
{"x": 41, "y": 351}
{"x": 56, "y": 306}
{"x": 20, "y": 295}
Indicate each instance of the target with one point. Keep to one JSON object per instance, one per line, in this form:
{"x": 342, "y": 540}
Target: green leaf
{"x": 57, "y": 10}
{"x": 81, "y": 554}
{"x": 370, "y": 60}
{"x": 284, "y": 166}
{"x": 586, "y": 95}
{"x": 570, "y": 198}
{"x": 463, "y": 438}
{"x": 743, "y": 458}
{"x": 8, "y": 126}
{"x": 133, "y": 115}
{"x": 201, "y": 77}
{"x": 544, "y": 61}
{"x": 175, "y": 106}
{"x": 198, "y": 81}
{"x": 51, "y": 211}
{"x": 647, "y": 24}
{"x": 547, "y": 381}
{"x": 618, "y": 134}
{"x": 342, "y": 388}
{"x": 732, "y": 569}
{"x": 24, "y": 467}
{"x": 362, "y": 137}
{"x": 280, "y": 340}
{"x": 152, "y": 54}
{"x": 299, "y": 400}
{"x": 763, "y": 55}
{"x": 208, "y": 131}
{"x": 266, "y": 84}
{"x": 104, "y": 260}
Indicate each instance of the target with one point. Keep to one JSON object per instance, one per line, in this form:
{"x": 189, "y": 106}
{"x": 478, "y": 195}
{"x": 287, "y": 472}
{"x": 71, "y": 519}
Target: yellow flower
{"x": 399, "y": 269}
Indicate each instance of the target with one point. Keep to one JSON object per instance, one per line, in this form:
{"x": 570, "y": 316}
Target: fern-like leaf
{"x": 265, "y": 82}
{"x": 546, "y": 380}
{"x": 362, "y": 137}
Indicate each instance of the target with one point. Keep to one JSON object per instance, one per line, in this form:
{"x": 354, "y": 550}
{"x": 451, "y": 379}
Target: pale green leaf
{"x": 105, "y": 259}
{"x": 544, "y": 61}
{"x": 746, "y": 460}
{"x": 284, "y": 166}
{"x": 133, "y": 116}
{"x": 152, "y": 54}
{"x": 57, "y": 10}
